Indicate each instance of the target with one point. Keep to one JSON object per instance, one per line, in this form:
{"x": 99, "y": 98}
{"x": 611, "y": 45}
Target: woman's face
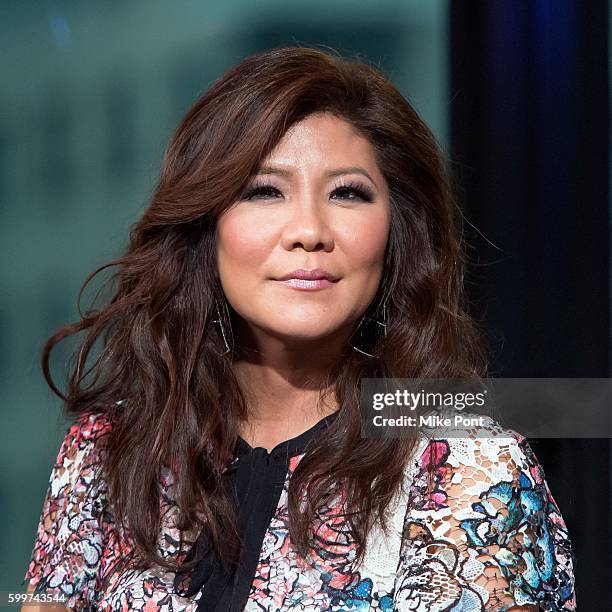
{"x": 319, "y": 201}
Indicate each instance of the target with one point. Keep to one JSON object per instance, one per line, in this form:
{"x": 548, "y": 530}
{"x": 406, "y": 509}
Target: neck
{"x": 287, "y": 385}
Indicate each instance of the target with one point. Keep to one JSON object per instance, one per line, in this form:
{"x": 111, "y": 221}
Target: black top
{"x": 254, "y": 480}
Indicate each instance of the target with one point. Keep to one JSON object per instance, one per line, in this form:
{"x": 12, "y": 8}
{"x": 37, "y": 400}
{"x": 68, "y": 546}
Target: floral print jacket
{"x": 474, "y": 527}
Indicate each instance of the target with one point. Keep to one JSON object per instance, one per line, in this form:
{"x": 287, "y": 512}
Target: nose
{"x": 308, "y": 228}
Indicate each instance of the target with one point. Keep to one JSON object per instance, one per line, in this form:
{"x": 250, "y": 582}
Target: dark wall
{"x": 530, "y": 131}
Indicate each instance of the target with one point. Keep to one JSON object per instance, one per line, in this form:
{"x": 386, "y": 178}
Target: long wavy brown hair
{"x": 160, "y": 352}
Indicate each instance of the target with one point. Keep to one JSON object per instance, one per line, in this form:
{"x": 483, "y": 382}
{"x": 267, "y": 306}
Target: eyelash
{"x": 362, "y": 192}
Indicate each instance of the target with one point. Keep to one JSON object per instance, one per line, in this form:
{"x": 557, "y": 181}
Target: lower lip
{"x": 307, "y": 285}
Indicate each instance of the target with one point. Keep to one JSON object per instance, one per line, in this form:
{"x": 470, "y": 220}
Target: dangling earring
{"x": 376, "y": 325}
{"x": 219, "y": 322}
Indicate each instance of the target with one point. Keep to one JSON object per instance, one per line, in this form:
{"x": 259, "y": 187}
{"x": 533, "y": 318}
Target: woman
{"x": 302, "y": 236}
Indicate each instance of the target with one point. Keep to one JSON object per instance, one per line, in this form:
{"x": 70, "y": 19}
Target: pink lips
{"x": 308, "y": 279}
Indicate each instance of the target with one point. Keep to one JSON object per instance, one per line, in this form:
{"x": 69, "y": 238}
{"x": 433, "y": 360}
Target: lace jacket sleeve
{"x": 482, "y": 531}
{"x": 68, "y": 545}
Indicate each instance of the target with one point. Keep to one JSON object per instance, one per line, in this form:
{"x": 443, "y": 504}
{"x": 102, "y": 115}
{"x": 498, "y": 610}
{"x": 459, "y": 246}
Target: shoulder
{"x": 490, "y": 448}
{"x": 480, "y": 508}
{"x": 79, "y": 454}
{"x": 89, "y": 427}
{"x": 77, "y": 472}
{"x": 489, "y": 460}
{"x": 86, "y": 436}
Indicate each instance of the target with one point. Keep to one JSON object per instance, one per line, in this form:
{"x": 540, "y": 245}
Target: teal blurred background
{"x": 91, "y": 94}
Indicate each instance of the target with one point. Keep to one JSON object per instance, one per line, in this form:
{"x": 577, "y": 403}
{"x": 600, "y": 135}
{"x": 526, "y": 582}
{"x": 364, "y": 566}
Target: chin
{"x": 302, "y": 331}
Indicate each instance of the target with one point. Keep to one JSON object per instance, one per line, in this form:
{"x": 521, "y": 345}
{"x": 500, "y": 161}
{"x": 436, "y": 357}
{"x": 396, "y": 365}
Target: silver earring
{"x": 219, "y": 321}
{"x": 375, "y": 324}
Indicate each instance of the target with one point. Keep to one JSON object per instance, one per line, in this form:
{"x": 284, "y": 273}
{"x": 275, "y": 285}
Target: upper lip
{"x": 304, "y": 274}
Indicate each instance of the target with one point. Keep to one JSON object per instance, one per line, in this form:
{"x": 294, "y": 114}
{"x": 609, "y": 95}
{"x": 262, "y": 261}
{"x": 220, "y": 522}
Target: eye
{"x": 348, "y": 191}
{"x": 260, "y": 192}
{"x": 354, "y": 191}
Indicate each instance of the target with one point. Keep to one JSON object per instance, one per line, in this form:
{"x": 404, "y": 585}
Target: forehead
{"x": 323, "y": 136}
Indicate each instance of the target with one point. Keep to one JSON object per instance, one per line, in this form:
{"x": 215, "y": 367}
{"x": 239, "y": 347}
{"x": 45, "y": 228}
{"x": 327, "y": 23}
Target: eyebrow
{"x": 330, "y": 173}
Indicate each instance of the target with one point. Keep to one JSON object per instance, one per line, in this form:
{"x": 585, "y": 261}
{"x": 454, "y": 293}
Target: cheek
{"x": 242, "y": 243}
{"x": 365, "y": 241}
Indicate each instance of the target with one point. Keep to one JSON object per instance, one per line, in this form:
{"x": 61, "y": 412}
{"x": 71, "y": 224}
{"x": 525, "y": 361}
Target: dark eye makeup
{"x": 346, "y": 191}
